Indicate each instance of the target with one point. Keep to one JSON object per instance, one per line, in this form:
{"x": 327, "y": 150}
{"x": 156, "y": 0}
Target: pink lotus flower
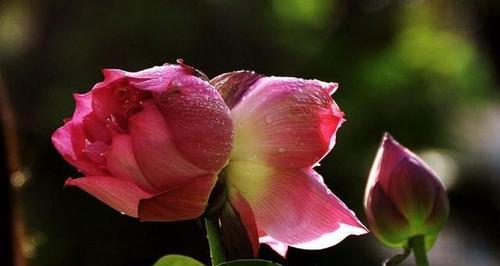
{"x": 404, "y": 198}
{"x": 149, "y": 143}
{"x": 282, "y": 128}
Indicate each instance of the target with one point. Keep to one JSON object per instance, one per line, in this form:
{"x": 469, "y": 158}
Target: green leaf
{"x": 249, "y": 263}
{"x": 177, "y": 260}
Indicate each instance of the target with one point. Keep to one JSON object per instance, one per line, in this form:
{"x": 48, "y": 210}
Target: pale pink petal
{"x": 121, "y": 195}
{"x": 156, "y": 151}
{"x": 199, "y": 122}
{"x": 294, "y": 206}
{"x": 285, "y": 121}
{"x": 182, "y": 203}
{"x": 122, "y": 164}
{"x": 277, "y": 246}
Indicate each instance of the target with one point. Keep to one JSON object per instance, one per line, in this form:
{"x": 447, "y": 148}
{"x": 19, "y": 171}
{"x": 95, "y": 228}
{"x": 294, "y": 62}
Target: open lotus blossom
{"x": 404, "y": 197}
{"x": 282, "y": 128}
{"x": 149, "y": 143}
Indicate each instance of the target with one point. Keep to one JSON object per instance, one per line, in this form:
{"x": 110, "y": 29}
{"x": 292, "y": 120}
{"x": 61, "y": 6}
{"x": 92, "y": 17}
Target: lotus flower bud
{"x": 404, "y": 197}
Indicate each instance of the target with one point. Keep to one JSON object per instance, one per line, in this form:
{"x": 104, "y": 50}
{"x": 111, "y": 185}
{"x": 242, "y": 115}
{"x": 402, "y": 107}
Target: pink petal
{"x": 199, "y": 122}
{"x": 121, "y": 195}
{"x": 277, "y": 246}
{"x": 95, "y": 152}
{"x": 294, "y": 207}
{"x": 69, "y": 140}
{"x": 122, "y": 164}
{"x": 388, "y": 156}
{"x": 105, "y": 104}
{"x": 182, "y": 203}
{"x": 285, "y": 121}
{"x": 83, "y": 105}
{"x": 156, "y": 151}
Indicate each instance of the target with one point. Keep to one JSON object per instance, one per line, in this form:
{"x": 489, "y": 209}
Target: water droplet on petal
{"x": 281, "y": 150}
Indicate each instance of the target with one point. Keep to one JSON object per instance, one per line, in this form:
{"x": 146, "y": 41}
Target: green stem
{"x": 214, "y": 242}
{"x": 418, "y": 245}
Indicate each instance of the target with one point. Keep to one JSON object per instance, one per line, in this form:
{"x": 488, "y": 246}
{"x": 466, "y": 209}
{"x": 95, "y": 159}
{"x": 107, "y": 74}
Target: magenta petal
{"x": 182, "y": 203}
{"x": 199, "y": 122}
{"x": 285, "y": 121}
{"x": 156, "y": 152}
{"x": 295, "y": 207}
{"x": 121, "y": 162}
{"x": 121, "y": 195}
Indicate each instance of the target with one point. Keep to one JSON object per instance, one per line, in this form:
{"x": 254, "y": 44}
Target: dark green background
{"x": 426, "y": 71}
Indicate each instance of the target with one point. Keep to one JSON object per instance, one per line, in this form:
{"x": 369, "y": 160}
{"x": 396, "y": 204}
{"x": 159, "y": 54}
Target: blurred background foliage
{"x": 425, "y": 71}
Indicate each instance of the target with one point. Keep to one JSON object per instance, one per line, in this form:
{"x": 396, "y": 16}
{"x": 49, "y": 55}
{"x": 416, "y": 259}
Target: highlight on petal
{"x": 121, "y": 195}
{"x": 294, "y": 207}
{"x": 156, "y": 151}
{"x": 277, "y": 246}
{"x": 285, "y": 121}
{"x": 182, "y": 203}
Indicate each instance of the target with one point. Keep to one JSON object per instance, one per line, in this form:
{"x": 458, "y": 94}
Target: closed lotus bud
{"x": 404, "y": 197}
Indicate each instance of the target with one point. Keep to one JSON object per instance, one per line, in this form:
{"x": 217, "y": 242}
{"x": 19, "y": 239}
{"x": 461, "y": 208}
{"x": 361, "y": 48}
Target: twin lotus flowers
{"x": 164, "y": 143}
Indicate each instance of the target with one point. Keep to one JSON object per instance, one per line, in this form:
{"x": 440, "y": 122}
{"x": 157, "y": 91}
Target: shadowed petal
{"x": 413, "y": 190}
{"x": 294, "y": 207}
{"x": 386, "y": 222}
{"x": 121, "y": 195}
{"x": 245, "y": 215}
{"x": 182, "y": 203}
{"x": 285, "y": 121}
